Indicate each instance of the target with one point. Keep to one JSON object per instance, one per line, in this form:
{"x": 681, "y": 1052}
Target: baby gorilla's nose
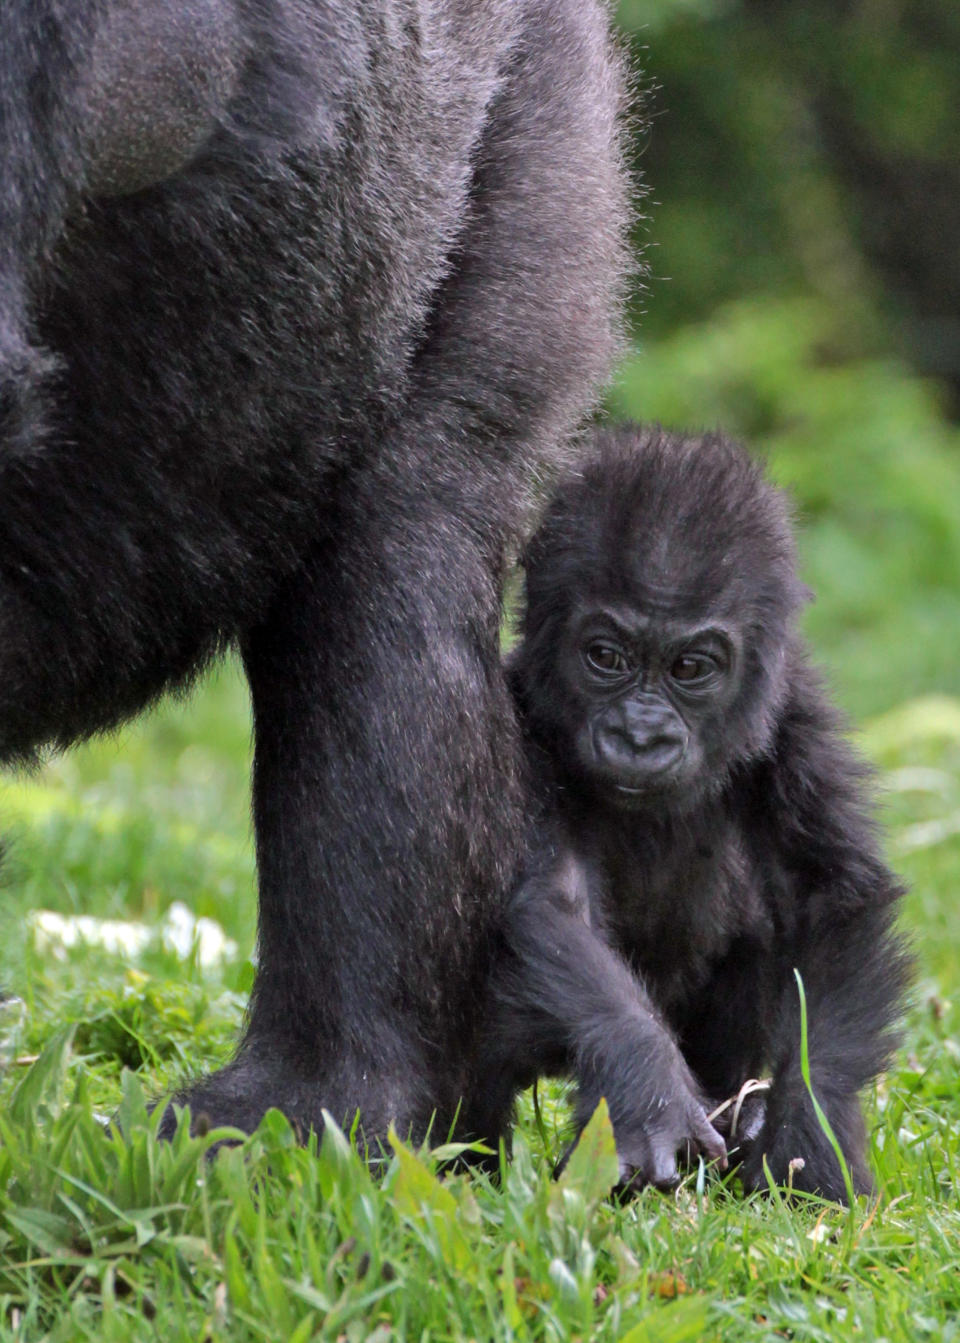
{"x": 639, "y": 742}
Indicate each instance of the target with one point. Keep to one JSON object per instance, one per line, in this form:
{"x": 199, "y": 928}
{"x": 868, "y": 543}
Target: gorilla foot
{"x": 240, "y": 1094}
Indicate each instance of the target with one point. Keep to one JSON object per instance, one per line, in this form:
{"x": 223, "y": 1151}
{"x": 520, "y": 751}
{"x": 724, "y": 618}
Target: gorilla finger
{"x": 664, "y": 1173}
{"x": 710, "y": 1143}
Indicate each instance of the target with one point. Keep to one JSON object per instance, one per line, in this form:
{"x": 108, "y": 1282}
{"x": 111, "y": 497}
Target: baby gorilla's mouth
{"x": 652, "y": 792}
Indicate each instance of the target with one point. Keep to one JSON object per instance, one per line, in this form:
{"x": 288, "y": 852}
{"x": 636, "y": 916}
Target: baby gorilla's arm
{"x": 566, "y": 1000}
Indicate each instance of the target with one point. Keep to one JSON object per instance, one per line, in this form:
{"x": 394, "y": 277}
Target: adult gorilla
{"x": 295, "y": 297}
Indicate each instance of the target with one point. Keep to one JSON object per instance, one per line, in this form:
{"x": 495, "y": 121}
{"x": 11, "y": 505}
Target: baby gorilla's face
{"x": 661, "y": 602}
{"x": 647, "y": 690}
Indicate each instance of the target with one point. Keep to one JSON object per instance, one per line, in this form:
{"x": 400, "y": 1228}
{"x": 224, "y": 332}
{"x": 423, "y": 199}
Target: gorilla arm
{"x": 565, "y": 998}
{"x": 103, "y": 97}
{"x": 392, "y": 729}
{"x": 160, "y": 75}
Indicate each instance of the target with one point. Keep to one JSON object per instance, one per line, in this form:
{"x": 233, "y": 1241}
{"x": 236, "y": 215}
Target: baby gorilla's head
{"x": 658, "y": 632}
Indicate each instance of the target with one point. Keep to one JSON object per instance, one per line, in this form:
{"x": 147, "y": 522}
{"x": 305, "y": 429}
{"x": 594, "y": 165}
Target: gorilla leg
{"x": 854, "y": 977}
{"x": 388, "y": 812}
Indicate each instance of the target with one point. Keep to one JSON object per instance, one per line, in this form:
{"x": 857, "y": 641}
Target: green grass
{"x": 117, "y": 1237}
{"x": 109, "y": 1235}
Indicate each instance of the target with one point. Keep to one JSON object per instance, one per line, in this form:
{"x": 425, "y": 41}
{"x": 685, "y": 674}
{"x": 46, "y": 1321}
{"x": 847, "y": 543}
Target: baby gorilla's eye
{"x": 692, "y": 667}
{"x": 606, "y": 658}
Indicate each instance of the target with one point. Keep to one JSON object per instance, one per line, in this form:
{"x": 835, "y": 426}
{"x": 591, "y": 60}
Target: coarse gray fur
{"x": 293, "y": 303}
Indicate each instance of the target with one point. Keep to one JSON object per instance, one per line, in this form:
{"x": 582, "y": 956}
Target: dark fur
{"x": 652, "y": 947}
{"x": 292, "y": 301}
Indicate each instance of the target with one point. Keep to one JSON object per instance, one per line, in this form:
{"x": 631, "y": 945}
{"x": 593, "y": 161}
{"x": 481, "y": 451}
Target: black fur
{"x": 652, "y": 946}
{"x": 292, "y": 300}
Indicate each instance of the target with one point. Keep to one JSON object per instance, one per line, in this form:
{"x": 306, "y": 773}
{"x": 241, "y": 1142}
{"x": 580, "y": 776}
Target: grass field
{"x": 116, "y": 1237}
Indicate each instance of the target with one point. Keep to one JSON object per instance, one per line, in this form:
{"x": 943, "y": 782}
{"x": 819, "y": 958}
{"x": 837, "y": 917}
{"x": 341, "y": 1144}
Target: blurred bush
{"x": 804, "y": 291}
{"x": 813, "y": 145}
{"x": 871, "y": 461}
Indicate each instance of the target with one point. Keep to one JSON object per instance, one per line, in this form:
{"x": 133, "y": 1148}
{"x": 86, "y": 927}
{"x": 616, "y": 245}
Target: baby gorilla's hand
{"x": 648, "y": 1145}
{"x": 655, "y": 1109}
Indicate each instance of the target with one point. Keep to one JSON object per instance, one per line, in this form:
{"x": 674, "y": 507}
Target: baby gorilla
{"x": 703, "y": 826}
